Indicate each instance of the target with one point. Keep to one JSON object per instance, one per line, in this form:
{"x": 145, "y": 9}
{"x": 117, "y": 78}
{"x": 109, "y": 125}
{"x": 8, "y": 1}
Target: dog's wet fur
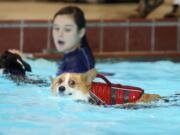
{"x": 15, "y": 68}
{"x": 13, "y": 64}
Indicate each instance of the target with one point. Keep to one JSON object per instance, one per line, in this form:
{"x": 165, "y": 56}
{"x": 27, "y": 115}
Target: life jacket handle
{"x": 107, "y": 81}
{"x": 104, "y": 79}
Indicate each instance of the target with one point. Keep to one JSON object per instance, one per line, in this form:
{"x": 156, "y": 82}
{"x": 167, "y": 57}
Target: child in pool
{"x": 69, "y": 35}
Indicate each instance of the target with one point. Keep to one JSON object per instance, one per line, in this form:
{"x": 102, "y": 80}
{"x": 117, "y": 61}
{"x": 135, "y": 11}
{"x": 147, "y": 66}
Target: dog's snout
{"x": 62, "y": 89}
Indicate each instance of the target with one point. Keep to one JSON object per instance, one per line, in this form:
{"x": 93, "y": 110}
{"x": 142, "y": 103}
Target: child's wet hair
{"x": 77, "y": 14}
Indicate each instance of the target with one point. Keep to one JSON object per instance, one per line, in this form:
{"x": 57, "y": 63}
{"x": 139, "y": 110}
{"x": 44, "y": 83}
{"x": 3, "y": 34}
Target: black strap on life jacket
{"x": 126, "y": 96}
{"x": 96, "y": 100}
{"x": 113, "y": 96}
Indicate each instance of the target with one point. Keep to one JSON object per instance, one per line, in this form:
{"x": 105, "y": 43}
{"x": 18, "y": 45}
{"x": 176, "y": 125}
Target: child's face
{"x": 65, "y": 33}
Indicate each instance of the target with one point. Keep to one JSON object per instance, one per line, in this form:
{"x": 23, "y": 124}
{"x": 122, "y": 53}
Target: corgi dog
{"x": 78, "y": 87}
{"x": 74, "y": 85}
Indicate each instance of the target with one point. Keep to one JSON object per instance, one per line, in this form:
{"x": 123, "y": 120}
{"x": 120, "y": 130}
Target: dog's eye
{"x": 72, "y": 83}
{"x": 60, "y": 81}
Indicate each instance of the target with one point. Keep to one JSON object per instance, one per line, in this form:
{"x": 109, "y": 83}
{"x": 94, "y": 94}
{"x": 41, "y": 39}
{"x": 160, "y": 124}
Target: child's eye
{"x": 56, "y": 28}
{"x": 67, "y": 30}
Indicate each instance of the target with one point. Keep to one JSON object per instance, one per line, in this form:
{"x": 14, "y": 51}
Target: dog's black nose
{"x": 62, "y": 89}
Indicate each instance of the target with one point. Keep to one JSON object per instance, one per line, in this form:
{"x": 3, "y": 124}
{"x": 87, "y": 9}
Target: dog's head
{"x": 74, "y": 85}
{"x": 13, "y": 64}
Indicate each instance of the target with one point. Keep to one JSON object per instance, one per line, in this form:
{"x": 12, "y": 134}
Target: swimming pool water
{"x": 28, "y": 109}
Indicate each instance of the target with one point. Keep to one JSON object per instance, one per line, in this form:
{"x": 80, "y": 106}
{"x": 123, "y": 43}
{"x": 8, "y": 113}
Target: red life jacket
{"x": 111, "y": 94}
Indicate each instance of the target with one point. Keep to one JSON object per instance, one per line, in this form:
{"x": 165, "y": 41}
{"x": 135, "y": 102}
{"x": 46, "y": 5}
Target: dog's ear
{"x": 90, "y": 75}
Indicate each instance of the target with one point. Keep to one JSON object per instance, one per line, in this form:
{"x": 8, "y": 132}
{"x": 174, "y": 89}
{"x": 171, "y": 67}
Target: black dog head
{"x": 13, "y": 64}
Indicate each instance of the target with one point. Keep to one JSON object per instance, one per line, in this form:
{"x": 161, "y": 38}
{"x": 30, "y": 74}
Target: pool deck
{"x": 45, "y": 11}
